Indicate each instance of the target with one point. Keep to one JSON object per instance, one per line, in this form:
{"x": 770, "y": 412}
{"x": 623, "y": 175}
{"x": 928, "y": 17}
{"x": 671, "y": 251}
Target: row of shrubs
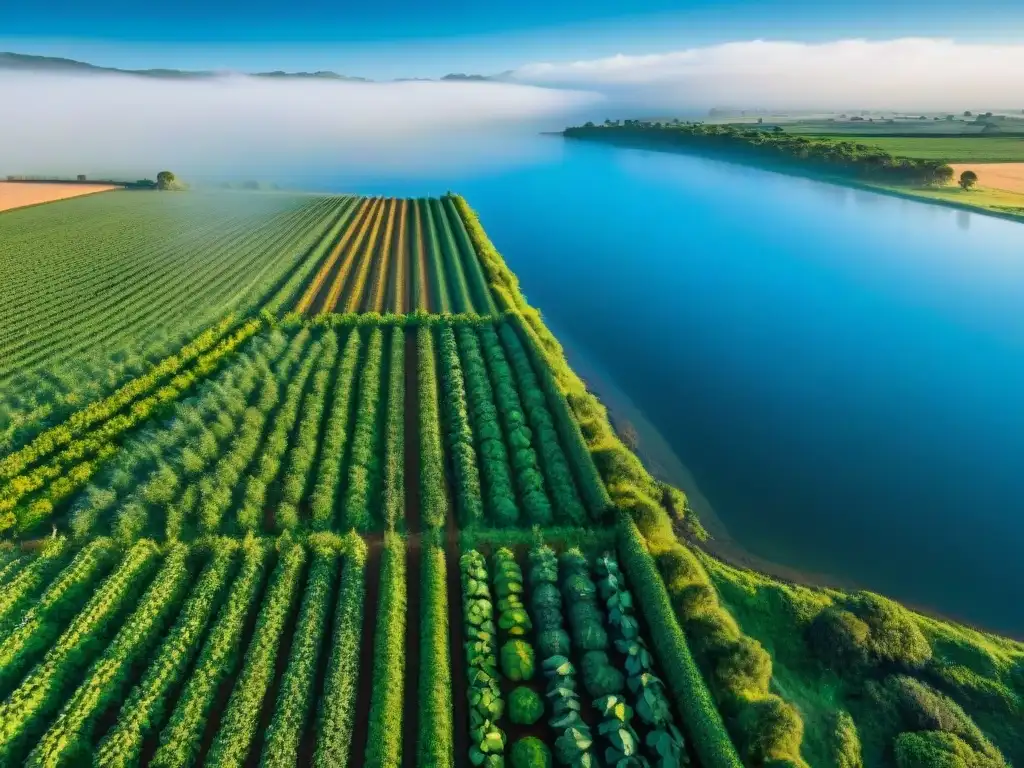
{"x": 486, "y": 706}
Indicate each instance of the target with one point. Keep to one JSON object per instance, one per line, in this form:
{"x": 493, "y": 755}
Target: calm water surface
{"x": 842, "y": 372}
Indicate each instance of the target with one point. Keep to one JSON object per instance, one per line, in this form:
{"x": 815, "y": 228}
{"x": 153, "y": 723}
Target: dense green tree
{"x": 968, "y": 179}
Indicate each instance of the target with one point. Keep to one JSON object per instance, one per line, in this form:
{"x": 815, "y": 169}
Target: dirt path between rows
{"x": 413, "y": 554}
{"x": 423, "y": 300}
{"x": 364, "y": 694}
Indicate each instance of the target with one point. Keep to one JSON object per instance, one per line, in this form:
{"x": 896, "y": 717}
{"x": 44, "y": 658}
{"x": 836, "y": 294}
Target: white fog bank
{"x": 910, "y": 73}
{"x": 236, "y": 124}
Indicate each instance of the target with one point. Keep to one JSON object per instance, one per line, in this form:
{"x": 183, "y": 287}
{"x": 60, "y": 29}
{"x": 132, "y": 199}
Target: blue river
{"x": 842, "y": 373}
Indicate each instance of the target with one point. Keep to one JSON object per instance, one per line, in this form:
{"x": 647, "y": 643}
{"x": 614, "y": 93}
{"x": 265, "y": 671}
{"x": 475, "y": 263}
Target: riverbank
{"x": 986, "y": 201}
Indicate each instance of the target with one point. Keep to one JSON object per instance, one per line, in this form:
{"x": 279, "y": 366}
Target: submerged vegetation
{"x": 373, "y": 517}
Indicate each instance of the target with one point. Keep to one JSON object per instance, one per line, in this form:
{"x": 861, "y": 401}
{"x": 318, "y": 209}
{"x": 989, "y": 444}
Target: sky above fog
{"x": 569, "y": 61}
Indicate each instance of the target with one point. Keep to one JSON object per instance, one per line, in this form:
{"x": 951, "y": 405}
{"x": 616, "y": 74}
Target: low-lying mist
{"x": 902, "y": 74}
{"x": 241, "y": 127}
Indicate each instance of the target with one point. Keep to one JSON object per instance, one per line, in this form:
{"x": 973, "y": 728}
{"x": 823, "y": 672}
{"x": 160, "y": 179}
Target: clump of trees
{"x": 968, "y": 179}
{"x": 868, "y": 631}
{"x": 167, "y": 181}
{"x": 933, "y": 730}
{"x": 825, "y": 155}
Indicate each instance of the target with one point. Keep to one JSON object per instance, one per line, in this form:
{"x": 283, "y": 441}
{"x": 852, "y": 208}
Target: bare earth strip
{"x": 18, "y": 195}
{"x": 1005, "y": 176}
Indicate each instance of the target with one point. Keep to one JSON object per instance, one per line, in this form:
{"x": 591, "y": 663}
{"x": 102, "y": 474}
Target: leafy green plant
{"x": 530, "y": 752}
{"x": 525, "y": 707}
{"x": 517, "y": 661}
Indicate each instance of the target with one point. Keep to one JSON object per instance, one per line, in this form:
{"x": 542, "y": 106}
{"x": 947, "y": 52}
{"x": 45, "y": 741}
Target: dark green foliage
{"x": 588, "y": 480}
{"x": 846, "y": 742}
{"x": 525, "y": 707}
{"x": 459, "y": 434}
{"x": 530, "y": 752}
{"x": 568, "y": 509}
{"x": 517, "y": 662}
{"x": 487, "y": 740}
{"x": 919, "y": 707}
{"x": 772, "y": 729}
{"x": 870, "y": 631}
{"x": 519, "y": 436}
{"x": 821, "y": 154}
{"x": 600, "y": 678}
{"x": 700, "y": 716}
{"x": 499, "y": 493}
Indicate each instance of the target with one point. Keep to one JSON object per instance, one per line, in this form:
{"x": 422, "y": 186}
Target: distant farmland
{"x": 21, "y": 194}
{"x": 952, "y": 149}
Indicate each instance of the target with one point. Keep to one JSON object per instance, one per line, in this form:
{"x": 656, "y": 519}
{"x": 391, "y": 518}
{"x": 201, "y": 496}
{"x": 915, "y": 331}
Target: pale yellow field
{"x": 1005, "y": 176}
{"x": 18, "y": 195}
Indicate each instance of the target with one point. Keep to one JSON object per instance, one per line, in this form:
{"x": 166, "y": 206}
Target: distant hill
{"x": 280, "y": 74}
{"x": 26, "y": 63}
{"x": 22, "y": 62}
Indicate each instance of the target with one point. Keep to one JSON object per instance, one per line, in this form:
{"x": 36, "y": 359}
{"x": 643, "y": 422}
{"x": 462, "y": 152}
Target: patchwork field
{"x": 367, "y": 515}
{"x": 20, "y": 194}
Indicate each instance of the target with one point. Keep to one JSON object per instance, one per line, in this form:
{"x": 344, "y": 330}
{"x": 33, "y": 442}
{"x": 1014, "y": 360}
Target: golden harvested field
{"x": 18, "y": 194}
{"x": 1005, "y": 176}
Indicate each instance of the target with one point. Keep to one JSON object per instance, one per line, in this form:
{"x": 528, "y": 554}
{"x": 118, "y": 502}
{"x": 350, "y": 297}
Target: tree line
{"x": 775, "y": 146}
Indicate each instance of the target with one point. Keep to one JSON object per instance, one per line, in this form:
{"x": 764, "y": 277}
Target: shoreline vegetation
{"x": 849, "y": 163}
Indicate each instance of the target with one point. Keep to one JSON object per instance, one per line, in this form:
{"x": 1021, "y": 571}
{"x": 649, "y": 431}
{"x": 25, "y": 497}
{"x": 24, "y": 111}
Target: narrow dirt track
{"x": 423, "y": 300}
{"x": 413, "y": 553}
{"x": 364, "y": 694}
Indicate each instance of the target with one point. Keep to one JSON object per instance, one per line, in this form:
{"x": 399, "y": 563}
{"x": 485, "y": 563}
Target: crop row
{"x": 397, "y": 255}
{"x": 305, "y": 427}
{"x": 92, "y": 284}
{"x": 598, "y": 697}
{"x": 163, "y": 633}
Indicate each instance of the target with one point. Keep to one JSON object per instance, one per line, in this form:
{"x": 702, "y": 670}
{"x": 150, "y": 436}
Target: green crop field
{"x": 952, "y": 149}
{"x": 352, "y": 507}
